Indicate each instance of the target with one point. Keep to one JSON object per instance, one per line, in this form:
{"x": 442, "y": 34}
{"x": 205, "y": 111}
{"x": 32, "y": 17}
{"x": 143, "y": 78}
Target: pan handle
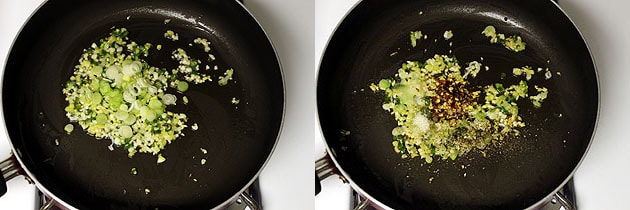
{"x": 10, "y": 169}
{"x": 563, "y": 201}
{"x": 244, "y": 198}
{"x": 324, "y": 168}
{"x": 49, "y": 205}
{"x": 249, "y": 201}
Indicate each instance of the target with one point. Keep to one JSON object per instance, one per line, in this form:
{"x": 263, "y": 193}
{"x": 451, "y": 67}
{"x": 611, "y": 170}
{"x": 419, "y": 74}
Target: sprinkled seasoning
{"x": 440, "y": 114}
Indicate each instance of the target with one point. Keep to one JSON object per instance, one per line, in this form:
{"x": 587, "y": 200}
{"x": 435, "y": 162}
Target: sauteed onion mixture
{"x": 439, "y": 113}
{"x": 115, "y": 94}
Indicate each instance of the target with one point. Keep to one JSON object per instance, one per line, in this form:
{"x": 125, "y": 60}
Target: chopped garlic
{"x": 235, "y": 101}
{"x": 227, "y": 76}
{"x": 171, "y": 35}
{"x": 204, "y": 42}
{"x": 448, "y": 34}
{"x": 513, "y": 43}
{"x": 161, "y": 158}
{"x": 414, "y": 36}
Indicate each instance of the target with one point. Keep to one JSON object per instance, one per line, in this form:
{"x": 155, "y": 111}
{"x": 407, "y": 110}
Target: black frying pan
{"x": 81, "y": 171}
{"x": 520, "y": 173}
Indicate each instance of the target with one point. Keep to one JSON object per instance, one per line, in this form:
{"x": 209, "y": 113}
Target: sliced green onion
{"x": 169, "y": 99}
{"x": 122, "y": 115}
{"x": 101, "y": 118}
{"x": 96, "y": 98}
{"x": 68, "y": 128}
{"x": 112, "y": 72}
{"x": 155, "y": 103}
{"x": 125, "y": 131}
{"x": 182, "y": 86}
{"x": 223, "y": 80}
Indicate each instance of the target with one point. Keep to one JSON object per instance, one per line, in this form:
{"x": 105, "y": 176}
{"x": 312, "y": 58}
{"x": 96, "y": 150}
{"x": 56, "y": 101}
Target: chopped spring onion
{"x": 182, "y": 86}
{"x": 528, "y": 71}
{"x": 548, "y": 75}
{"x": 169, "y": 99}
{"x": 125, "y": 131}
{"x": 134, "y": 171}
{"x": 204, "y": 42}
{"x": 513, "y": 43}
{"x": 235, "y": 101}
{"x": 448, "y": 34}
{"x": 414, "y": 36}
{"x": 227, "y": 76}
{"x": 472, "y": 69}
{"x": 68, "y": 128}
{"x": 189, "y": 67}
{"x": 169, "y": 34}
{"x": 538, "y": 99}
{"x": 161, "y": 158}
{"x": 115, "y": 94}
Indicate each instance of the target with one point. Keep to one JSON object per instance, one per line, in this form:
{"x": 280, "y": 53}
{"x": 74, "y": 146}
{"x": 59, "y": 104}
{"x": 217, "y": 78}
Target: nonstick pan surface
{"x": 518, "y": 173}
{"x": 81, "y": 171}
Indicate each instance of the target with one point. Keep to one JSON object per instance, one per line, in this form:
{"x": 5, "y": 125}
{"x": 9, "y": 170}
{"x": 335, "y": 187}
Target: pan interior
{"x": 373, "y": 41}
{"x": 81, "y": 170}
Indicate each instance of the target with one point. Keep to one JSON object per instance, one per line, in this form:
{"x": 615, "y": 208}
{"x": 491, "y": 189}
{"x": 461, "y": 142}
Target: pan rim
{"x": 33, "y": 179}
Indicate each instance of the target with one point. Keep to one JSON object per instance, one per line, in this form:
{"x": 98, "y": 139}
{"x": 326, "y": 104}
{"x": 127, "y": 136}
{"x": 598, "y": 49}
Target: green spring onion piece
{"x": 125, "y": 131}
{"x": 182, "y": 86}
{"x": 101, "y": 118}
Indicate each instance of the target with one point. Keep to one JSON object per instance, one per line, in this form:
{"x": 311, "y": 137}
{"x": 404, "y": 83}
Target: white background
{"x": 287, "y": 180}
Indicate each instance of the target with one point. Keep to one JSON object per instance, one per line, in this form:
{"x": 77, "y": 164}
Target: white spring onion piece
{"x": 96, "y": 70}
{"x": 130, "y": 120}
{"x": 122, "y": 115}
{"x": 129, "y": 97}
{"x": 112, "y": 72}
{"x": 131, "y": 68}
{"x": 169, "y": 99}
{"x": 152, "y": 90}
{"x": 125, "y": 131}
{"x": 147, "y": 113}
